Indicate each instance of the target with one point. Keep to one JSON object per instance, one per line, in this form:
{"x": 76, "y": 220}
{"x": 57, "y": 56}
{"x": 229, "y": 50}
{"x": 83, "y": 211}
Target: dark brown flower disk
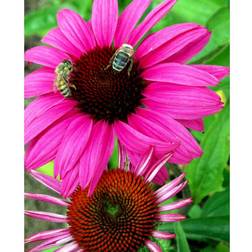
{"x": 105, "y": 93}
{"x": 119, "y": 216}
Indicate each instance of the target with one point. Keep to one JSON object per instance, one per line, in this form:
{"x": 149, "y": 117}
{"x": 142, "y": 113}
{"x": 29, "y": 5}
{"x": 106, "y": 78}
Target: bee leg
{"x": 130, "y": 66}
{"x": 110, "y": 63}
{"x": 73, "y": 86}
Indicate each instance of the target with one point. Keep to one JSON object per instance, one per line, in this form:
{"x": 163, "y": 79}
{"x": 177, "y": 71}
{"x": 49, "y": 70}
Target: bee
{"x": 63, "y": 71}
{"x": 121, "y": 58}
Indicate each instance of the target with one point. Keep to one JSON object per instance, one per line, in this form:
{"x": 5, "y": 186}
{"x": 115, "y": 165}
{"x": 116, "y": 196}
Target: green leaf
{"x": 205, "y": 174}
{"x": 182, "y": 245}
{"x": 216, "y": 228}
{"x": 195, "y": 211}
{"x": 38, "y": 22}
{"x": 217, "y": 205}
{"x": 196, "y": 11}
{"x": 113, "y": 162}
{"x": 47, "y": 168}
{"x": 220, "y": 25}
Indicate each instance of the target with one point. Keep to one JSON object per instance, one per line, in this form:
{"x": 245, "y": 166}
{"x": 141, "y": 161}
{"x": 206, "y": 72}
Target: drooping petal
{"x": 72, "y": 146}
{"x": 171, "y": 217}
{"x": 45, "y": 56}
{"x": 163, "y": 235}
{"x": 175, "y": 205}
{"x": 166, "y": 43}
{"x": 46, "y": 119}
{"x": 51, "y": 217}
{"x": 47, "y": 235}
{"x": 154, "y": 169}
{"x": 46, "y": 198}
{"x": 43, "y": 149}
{"x": 104, "y": 21}
{"x": 170, "y": 185}
{"x": 57, "y": 39}
{"x": 161, "y": 176}
{"x": 128, "y": 20}
{"x": 96, "y": 155}
{"x": 167, "y": 194}
{"x": 52, "y": 242}
{"x": 122, "y": 156}
{"x": 77, "y": 31}
{"x": 142, "y": 166}
{"x": 196, "y": 124}
{"x": 39, "y": 82}
{"x": 70, "y": 247}
{"x": 219, "y": 72}
{"x": 183, "y": 102}
{"x": 46, "y": 180}
{"x": 151, "y": 19}
{"x": 139, "y": 143}
{"x": 179, "y": 74}
{"x": 165, "y": 128}
{"x": 152, "y": 246}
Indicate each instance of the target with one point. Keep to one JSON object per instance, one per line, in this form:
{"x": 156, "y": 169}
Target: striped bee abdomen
{"x": 120, "y": 61}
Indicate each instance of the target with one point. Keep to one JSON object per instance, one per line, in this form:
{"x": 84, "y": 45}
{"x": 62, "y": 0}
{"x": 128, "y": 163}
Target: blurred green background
{"x": 207, "y": 226}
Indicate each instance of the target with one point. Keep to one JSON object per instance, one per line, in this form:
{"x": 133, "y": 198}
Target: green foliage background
{"x": 207, "y": 226}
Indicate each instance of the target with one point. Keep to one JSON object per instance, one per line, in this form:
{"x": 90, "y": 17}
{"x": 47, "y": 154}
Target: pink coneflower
{"x": 120, "y": 215}
{"x": 151, "y": 105}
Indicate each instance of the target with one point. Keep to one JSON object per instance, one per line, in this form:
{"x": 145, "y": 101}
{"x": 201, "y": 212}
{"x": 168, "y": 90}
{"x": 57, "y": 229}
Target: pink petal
{"x": 46, "y": 235}
{"x": 46, "y": 56}
{"x": 163, "y": 235}
{"x": 164, "y": 44}
{"x": 47, "y": 181}
{"x": 70, "y": 181}
{"x": 171, "y": 217}
{"x": 182, "y": 102}
{"x": 40, "y": 106}
{"x": 165, "y": 129}
{"x": 71, "y": 148}
{"x": 44, "y": 148}
{"x": 219, "y": 72}
{"x": 152, "y": 171}
{"x": 57, "y": 39}
{"x": 145, "y": 162}
{"x": 128, "y": 20}
{"x": 196, "y": 124}
{"x": 51, "y": 217}
{"x": 171, "y": 185}
{"x": 152, "y": 246}
{"x": 104, "y": 21}
{"x": 179, "y": 75}
{"x": 46, "y": 198}
{"x": 122, "y": 156}
{"x": 167, "y": 194}
{"x": 96, "y": 155}
{"x": 52, "y": 242}
{"x": 39, "y": 82}
{"x": 161, "y": 176}
{"x": 76, "y": 30}
{"x": 140, "y": 143}
{"x": 151, "y": 19}
{"x": 43, "y": 121}
{"x": 189, "y": 51}
{"x": 70, "y": 247}
{"x": 175, "y": 205}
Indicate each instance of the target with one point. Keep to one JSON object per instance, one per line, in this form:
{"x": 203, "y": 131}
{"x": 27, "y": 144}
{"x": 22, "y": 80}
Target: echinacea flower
{"x": 152, "y": 105}
{"x": 120, "y": 215}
